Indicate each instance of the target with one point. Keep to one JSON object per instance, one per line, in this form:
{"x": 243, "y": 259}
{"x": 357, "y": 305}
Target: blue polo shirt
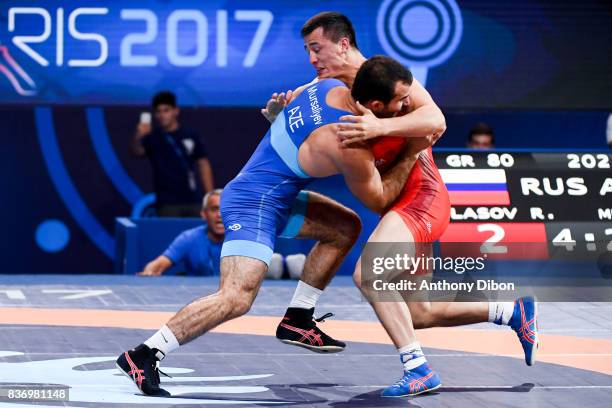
{"x": 200, "y": 255}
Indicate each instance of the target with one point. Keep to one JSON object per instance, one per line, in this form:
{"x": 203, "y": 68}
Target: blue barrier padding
{"x": 126, "y": 250}
{"x": 140, "y": 240}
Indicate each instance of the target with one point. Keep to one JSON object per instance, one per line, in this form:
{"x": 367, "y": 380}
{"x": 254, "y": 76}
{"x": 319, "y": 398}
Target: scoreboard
{"x": 521, "y": 223}
{"x": 557, "y": 204}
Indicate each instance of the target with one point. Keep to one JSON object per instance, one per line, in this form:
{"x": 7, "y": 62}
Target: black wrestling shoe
{"x": 141, "y": 366}
{"x": 299, "y": 328}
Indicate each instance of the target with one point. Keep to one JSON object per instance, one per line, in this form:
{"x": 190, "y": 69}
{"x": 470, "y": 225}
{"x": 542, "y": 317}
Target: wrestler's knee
{"x": 422, "y": 315}
{"x": 241, "y": 306}
{"x": 239, "y": 301}
{"x": 348, "y": 228}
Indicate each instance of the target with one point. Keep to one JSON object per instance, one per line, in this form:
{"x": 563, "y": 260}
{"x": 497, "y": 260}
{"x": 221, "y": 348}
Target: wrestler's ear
{"x": 345, "y": 44}
{"x": 375, "y": 106}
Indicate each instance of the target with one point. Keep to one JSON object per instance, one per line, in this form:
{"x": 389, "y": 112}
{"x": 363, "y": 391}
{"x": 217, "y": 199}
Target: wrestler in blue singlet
{"x": 265, "y": 199}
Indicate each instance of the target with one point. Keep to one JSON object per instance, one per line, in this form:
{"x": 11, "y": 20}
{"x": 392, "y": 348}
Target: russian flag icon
{"x": 476, "y": 186}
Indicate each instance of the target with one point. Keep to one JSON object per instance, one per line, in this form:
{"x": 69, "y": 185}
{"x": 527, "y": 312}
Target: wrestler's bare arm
{"x": 424, "y": 119}
{"x": 363, "y": 179}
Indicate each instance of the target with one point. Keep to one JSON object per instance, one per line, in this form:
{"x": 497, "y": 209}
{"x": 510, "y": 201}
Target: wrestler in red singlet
{"x": 424, "y": 203}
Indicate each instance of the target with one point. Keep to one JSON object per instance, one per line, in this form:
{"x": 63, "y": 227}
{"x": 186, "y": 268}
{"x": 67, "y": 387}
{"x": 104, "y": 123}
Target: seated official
{"x": 198, "y": 248}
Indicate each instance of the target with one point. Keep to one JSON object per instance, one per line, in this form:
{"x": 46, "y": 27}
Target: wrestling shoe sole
{"x": 316, "y": 349}
{"x": 132, "y": 380}
{"x": 536, "y": 344}
{"x": 136, "y": 385}
{"x": 413, "y": 395}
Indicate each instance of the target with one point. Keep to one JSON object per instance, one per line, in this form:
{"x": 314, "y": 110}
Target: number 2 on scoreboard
{"x": 489, "y": 247}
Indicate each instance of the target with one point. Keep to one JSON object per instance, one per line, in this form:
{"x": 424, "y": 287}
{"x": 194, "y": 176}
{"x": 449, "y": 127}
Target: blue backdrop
{"x": 470, "y": 53}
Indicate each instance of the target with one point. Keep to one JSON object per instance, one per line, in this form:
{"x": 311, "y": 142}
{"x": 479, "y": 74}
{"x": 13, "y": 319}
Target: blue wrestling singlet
{"x": 265, "y": 199}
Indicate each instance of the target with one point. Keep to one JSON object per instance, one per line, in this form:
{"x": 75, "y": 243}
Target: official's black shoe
{"x": 141, "y": 366}
{"x": 299, "y": 328}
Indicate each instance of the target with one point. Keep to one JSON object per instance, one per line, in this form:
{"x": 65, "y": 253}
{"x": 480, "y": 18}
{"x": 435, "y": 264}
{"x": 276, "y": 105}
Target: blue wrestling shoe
{"x": 524, "y": 322}
{"x": 417, "y": 381}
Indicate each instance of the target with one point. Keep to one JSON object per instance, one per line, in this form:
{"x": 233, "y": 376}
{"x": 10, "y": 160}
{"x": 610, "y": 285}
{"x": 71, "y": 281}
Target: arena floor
{"x": 67, "y": 331}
